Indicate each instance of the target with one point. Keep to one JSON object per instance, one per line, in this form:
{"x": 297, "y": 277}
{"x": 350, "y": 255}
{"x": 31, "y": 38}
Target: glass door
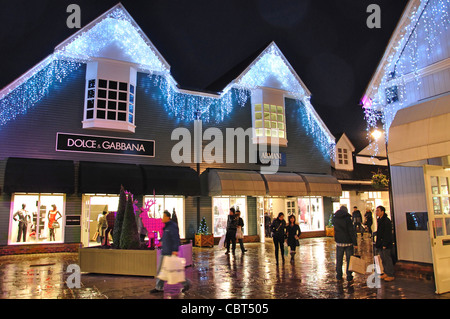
{"x": 438, "y": 198}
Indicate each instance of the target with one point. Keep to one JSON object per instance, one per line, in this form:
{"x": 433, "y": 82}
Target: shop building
{"x": 409, "y": 94}
{"x": 104, "y": 111}
{"x": 355, "y": 172}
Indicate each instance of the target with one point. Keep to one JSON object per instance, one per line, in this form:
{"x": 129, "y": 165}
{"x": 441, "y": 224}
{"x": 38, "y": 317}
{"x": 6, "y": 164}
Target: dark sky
{"x": 326, "y": 41}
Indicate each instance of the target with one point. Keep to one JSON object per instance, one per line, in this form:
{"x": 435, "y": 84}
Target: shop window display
{"x": 37, "y": 219}
{"x": 221, "y": 210}
{"x": 311, "y": 213}
{"x": 173, "y": 204}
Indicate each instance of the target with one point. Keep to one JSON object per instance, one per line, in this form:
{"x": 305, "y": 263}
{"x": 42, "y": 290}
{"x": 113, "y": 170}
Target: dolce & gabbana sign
{"x": 104, "y": 144}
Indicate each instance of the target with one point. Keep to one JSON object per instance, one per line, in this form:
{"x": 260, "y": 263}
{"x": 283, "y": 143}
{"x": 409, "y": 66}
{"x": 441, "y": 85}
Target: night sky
{"x": 327, "y": 42}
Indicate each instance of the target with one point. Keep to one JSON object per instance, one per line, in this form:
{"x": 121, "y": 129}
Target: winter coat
{"x": 232, "y": 223}
{"x": 278, "y": 229}
{"x": 170, "y": 239}
{"x": 291, "y": 232}
{"x": 384, "y": 233}
{"x": 344, "y": 232}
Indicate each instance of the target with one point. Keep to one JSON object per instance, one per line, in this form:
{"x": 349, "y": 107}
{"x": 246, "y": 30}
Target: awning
{"x": 235, "y": 183}
{"x": 39, "y": 176}
{"x": 106, "y": 178}
{"x": 420, "y": 132}
{"x": 285, "y": 184}
{"x": 322, "y": 185}
{"x": 166, "y": 180}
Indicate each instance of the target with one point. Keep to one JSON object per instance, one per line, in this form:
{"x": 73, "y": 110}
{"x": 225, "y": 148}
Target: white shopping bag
{"x": 222, "y": 242}
{"x": 378, "y": 264}
{"x": 172, "y": 270}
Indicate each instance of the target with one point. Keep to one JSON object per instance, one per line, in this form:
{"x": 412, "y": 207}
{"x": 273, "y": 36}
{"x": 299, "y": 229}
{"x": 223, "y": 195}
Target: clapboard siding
{"x": 408, "y": 191}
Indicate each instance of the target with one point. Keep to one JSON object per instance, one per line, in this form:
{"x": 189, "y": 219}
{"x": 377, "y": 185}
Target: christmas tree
{"x": 119, "y": 218}
{"x": 129, "y": 237}
{"x": 203, "y": 228}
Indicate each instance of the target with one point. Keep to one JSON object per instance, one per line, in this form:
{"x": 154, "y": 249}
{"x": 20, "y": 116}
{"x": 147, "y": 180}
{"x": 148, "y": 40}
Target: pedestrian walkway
{"x": 213, "y": 276}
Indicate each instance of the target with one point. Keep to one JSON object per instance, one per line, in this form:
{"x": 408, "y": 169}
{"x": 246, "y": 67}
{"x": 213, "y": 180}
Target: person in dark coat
{"x": 240, "y": 225}
{"x": 368, "y": 221}
{"x": 293, "y": 233}
{"x": 357, "y": 220}
{"x": 170, "y": 245}
{"x": 267, "y": 221}
{"x": 384, "y": 243}
{"x": 230, "y": 237}
{"x": 345, "y": 237}
{"x": 278, "y": 229}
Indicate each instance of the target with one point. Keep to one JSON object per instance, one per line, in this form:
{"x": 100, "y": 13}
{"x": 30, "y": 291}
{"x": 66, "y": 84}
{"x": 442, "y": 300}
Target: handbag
{"x": 357, "y": 265}
{"x": 95, "y": 236}
{"x": 172, "y": 270}
{"x": 239, "y": 234}
{"x": 286, "y": 249}
{"x": 55, "y": 224}
{"x": 222, "y": 242}
{"x": 378, "y": 264}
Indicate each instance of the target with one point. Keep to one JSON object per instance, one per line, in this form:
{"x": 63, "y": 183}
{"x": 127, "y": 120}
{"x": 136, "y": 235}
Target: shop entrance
{"x": 438, "y": 203}
{"x": 93, "y": 207}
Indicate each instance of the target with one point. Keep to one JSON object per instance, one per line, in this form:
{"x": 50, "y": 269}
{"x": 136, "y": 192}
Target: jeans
{"x": 278, "y": 242}
{"x": 348, "y": 250}
{"x": 386, "y": 259}
{"x": 230, "y": 237}
{"x": 160, "y": 283}
{"x": 22, "y": 232}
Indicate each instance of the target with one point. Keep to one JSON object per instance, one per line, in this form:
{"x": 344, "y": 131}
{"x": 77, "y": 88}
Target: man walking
{"x": 230, "y": 237}
{"x": 384, "y": 243}
{"x": 170, "y": 246}
{"x": 345, "y": 236}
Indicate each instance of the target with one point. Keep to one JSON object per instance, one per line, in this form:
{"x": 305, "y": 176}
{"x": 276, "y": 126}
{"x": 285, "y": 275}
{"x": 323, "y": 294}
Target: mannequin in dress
{"x": 23, "y": 219}
{"x": 53, "y": 215}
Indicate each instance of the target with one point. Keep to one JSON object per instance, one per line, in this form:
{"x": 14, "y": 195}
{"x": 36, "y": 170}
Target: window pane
{"x": 259, "y": 132}
{"x": 131, "y": 108}
{"x": 281, "y": 134}
{"x": 434, "y": 185}
{"x": 112, "y": 116}
{"x": 102, "y": 94}
{"x": 101, "y": 114}
{"x": 258, "y": 107}
{"x": 122, "y": 117}
{"x": 112, "y": 95}
{"x": 112, "y": 105}
{"x": 439, "y": 227}
{"x": 268, "y": 134}
{"x": 273, "y": 117}
{"x": 267, "y": 124}
{"x": 445, "y": 205}
{"x": 280, "y": 118}
{"x": 258, "y": 116}
{"x": 436, "y": 205}
{"x": 90, "y": 115}
{"x": 447, "y": 226}
{"x": 273, "y": 108}
{"x": 123, "y": 96}
{"x": 266, "y": 116}
{"x": 91, "y": 94}
{"x": 112, "y": 85}
{"x": 130, "y": 118}
{"x": 280, "y": 110}
{"x": 122, "y": 106}
{"x": 274, "y": 124}
{"x": 274, "y": 133}
{"x": 103, "y": 83}
{"x": 444, "y": 185}
{"x": 131, "y": 88}
{"x": 258, "y": 124}
{"x": 281, "y": 126}
{"x": 91, "y": 84}
{"x": 90, "y": 104}
{"x": 123, "y": 86}
{"x": 101, "y": 104}
{"x": 266, "y": 108}
{"x": 131, "y": 98}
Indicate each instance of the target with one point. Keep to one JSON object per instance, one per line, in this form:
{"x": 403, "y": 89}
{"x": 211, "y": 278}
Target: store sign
{"x": 73, "y": 220}
{"x": 272, "y": 158}
{"x": 104, "y": 145}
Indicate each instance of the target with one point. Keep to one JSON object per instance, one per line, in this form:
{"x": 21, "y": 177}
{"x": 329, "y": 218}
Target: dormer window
{"x": 342, "y": 155}
{"x": 110, "y": 96}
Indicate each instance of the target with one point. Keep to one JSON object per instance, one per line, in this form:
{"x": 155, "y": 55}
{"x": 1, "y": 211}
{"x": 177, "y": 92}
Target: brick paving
{"x": 214, "y": 275}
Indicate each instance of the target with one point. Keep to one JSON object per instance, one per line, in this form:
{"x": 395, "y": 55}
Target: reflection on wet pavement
{"x": 214, "y": 276}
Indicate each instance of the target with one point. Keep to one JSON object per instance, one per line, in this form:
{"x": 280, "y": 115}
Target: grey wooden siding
{"x": 408, "y": 190}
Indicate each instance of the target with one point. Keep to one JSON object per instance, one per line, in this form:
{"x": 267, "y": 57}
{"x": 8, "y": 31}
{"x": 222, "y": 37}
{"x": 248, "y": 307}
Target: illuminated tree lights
{"x": 420, "y": 45}
{"x": 117, "y": 29}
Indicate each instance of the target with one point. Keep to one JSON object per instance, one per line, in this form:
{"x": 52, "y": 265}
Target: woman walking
{"x": 293, "y": 233}
{"x": 278, "y": 229}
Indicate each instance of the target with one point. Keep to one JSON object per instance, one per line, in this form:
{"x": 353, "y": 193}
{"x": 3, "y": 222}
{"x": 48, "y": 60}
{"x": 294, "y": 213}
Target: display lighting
{"x": 418, "y": 46}
{"x": 117, "y": 28}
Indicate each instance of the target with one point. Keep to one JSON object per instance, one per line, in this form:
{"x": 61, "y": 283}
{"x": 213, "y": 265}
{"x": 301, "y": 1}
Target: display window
{"x": 310, "y": 213}
{"x": 173, "y": 204}
{"x": 37, "y": 219}
{"x": 94, "y": 206}
{"x": 221, "y": 210}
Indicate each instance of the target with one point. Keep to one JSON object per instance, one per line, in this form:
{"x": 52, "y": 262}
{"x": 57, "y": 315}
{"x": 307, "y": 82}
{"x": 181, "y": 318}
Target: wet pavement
{"x": 214, "y": 276}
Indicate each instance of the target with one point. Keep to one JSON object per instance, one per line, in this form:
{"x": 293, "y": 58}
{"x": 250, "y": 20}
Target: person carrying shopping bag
{"x": 170, "y": 246}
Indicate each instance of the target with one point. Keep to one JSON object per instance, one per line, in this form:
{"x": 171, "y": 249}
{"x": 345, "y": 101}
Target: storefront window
{"x": 221, "y": 210}
{"x": 310, "y": 213}
{"x": 37, "y": 219}
{"x": 173, "y": 204}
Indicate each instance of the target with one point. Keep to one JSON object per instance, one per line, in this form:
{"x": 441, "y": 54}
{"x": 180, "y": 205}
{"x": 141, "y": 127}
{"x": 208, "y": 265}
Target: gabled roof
{"x": 346, "y": 140}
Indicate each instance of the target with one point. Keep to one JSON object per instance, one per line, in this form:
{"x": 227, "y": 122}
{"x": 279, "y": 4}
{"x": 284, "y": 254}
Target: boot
{"x": 292, "y": 257}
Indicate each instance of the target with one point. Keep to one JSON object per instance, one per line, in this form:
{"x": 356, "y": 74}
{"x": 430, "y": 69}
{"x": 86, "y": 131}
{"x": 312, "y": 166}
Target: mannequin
{"x": 24, "y": 218}
{"x": 53, "y": 217}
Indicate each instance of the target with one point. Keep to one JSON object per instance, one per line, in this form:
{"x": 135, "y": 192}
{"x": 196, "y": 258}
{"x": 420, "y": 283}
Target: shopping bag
{"x": 222, "y": 242}
{"x": 95, "y": 236}
{"x": 239, "y": 234}
{"x": 286, "y": 249}
{"x": 378, "y": 265}
{"x": 172, "y": 270}
{"x": 357, "y": 265}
